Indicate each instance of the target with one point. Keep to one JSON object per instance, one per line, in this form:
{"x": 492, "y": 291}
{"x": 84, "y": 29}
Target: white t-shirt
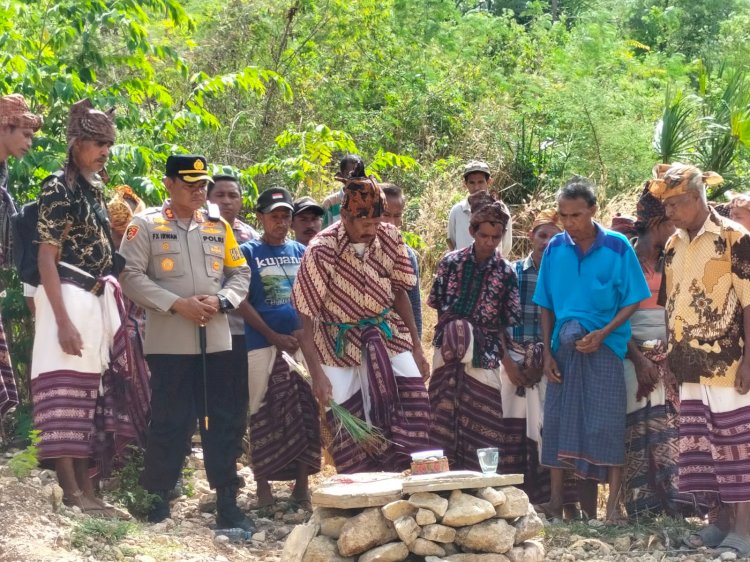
{"x": 458, "y": 228}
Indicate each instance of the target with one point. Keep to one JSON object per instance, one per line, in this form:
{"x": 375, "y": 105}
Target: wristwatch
{"x": 224, "y": 304}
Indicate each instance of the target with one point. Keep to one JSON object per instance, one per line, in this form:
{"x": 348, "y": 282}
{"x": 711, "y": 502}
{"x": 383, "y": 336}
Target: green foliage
{"x": 676, "y": 133}
{"x": 23, "y": 462}
{"x": 99, "y": 532}
{"x": 188, "y": 488}
{"x": 129, "y": 492}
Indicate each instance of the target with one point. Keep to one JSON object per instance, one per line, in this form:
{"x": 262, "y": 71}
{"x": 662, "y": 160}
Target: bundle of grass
{"x": 369, "y": 438}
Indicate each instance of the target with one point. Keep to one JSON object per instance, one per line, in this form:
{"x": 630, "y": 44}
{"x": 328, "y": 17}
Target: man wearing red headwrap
{"x": 359, "y": 337}
{"x": 17, "y": 128}
{"x": 80, "y": 315}
{"x": 475, "y": 293}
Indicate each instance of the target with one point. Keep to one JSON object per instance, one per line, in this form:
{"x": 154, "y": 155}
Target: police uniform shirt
{"x": 166, "y": 260}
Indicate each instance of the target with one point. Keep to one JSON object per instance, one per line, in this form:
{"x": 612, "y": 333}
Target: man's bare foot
{"x": 265, "y": 496}
{"x": 301, "y": 495}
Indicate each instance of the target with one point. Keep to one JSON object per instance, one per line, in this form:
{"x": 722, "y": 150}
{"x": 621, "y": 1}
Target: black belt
{"x": 85, "y": 281}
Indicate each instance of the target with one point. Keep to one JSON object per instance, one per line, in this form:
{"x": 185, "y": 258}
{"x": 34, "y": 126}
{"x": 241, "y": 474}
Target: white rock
{"x": 495, "y": 497}
{"x": 464, "y": 509}
{"x": 365, "y": 531}
{"x": 588, "y": 545}
{"x": 260, "y": 536}
{"x": 144, "y": 558}
{"x": 438, "y": 533}
{"x": 54, "y": 494}
{"x": 476, "y": 558}
{"x": 528, "y": 526}
{"x": 728, "y": 556}
{"x": 391, "y": 552}
{"x": 431, "y": 501}
{"x": 331, "y": 526}
{"x": 207, "y": 503}
{"x": 529, "y": 551}
{"x": 323, "y": 549}
{"x": 407, "y": 529}
{"x": 425, "y": 517}
{"x": 490, "y": 536}
{"x": 297, "y": 542}
{"x": 621, "y": 544}
{"x": 516, "y": 503}
{"x": 398, "y": 509}
{"x": 423, "y": 547}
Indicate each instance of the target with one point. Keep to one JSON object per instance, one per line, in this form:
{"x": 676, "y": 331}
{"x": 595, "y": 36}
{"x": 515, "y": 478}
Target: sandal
{"x": 710, "y": 536}
{"x": 735, "y": 543}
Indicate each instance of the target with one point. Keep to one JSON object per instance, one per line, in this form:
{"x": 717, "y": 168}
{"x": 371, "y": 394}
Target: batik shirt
{"x": 243, "y": 232}
{"x": 86, "y": 245}
{"x": 485, "y": 294}
{"x": 706, "y": 286}
{"x": 334, "y": 285}
{"x": 529, "y": 329}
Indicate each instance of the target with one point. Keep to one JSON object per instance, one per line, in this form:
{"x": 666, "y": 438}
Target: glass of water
{"x": 488, "y": 459}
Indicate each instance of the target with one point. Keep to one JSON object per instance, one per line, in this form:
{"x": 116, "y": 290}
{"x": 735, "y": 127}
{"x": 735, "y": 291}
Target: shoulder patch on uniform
{"x": 131, "y": 232}
{"x": 235, "y": 253}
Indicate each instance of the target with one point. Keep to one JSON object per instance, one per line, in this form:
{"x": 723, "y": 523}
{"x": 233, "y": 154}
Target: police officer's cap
{"x": 190, "y": 168}
{"x": 274, "y": 198}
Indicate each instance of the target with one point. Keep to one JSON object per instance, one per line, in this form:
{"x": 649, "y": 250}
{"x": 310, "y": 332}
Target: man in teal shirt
{"x": 589, "y": 284}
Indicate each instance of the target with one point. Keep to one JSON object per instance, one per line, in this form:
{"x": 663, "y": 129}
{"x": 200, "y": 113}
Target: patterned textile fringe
{"x": 285, "y": 431}
{"x": 8, "y": 390}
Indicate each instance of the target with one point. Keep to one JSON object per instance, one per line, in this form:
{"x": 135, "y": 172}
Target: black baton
{"x": 202, "y": 341}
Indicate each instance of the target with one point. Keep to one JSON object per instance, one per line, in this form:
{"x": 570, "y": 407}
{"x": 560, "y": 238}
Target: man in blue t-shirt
{"x": 589, "y": 284}
{"x": 284, "y": 427}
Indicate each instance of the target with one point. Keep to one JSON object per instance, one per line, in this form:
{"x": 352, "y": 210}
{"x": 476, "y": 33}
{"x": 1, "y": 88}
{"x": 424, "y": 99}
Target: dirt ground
{"x": 35, "y": 527}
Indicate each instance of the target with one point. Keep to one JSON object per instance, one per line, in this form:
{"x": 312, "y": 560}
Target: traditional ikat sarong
{"x": 468, "y": 413}
{"x": 714, "y": 442}
{"x": 285, "y": 431}
{"x": 398, "y": 406}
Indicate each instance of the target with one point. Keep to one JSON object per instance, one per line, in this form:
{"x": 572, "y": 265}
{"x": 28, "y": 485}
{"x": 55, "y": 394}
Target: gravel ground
{"x": 37, "y": 528}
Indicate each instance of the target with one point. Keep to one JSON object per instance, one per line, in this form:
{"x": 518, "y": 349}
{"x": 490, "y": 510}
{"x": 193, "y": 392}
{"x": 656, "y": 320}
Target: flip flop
{"x": 710, "y": 536}
{"x": 734, "y": 543}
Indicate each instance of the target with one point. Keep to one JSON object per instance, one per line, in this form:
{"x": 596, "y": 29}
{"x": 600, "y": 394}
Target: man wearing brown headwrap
{"x": 359, "y": 338}
{"x": 706, "y": 294}
{"x": 17, "y": 128}
{"x": 79, "y": 309}
{"x": 475, "y": 293}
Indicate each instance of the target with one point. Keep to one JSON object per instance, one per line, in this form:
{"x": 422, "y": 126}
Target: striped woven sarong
{"x": 8, "y": 390}
{"x": 468, "y": 413}
{"x": 398, "y": 406}
{"x": 714, "y": 442}
{"x": 584, "y": 415}
{"x": 285, "y": 431}
{"x": 651, "y": 451}
{"x": 80, "y": 403}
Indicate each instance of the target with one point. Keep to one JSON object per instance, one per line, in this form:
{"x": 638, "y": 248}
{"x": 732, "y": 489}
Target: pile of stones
{"x": 487, "y": 524}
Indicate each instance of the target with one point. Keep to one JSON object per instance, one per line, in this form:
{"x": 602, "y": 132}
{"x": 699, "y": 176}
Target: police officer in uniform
{"x": 183, "y": 265}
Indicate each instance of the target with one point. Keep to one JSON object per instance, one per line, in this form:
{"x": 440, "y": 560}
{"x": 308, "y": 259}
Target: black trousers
{"x": 177, "y": 401}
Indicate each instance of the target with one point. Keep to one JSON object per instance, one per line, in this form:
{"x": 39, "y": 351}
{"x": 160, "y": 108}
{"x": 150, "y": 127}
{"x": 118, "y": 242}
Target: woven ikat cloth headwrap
{"x": 546, "y": 216}
{"x": 15, "y": 112}
{"x": 485, "y": 208}
{"x": 676, "y": 179}
{"x": 363, "y": 197}
{"x": 87, "y": 123}
{"x": 123, "y": 206}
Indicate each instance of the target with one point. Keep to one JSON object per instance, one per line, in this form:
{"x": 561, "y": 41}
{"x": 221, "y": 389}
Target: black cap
{"x": 274, "y": 198}
{"x": 188, "y": 167}
{"x": 307, "y": 204}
